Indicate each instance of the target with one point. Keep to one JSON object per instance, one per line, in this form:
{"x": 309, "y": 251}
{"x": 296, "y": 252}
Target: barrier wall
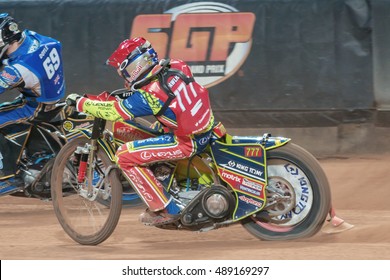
{"x": 267, "y": 63}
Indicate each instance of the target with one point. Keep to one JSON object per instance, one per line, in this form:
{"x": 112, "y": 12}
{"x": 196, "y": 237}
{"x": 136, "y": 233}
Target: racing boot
{"x": 161, "y": 208}
{"x": 162, "y": 217}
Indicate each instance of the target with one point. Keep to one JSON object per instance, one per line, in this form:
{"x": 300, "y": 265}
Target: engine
{"x": 210, "y": 205}
{"x": 35, "y": 172}
{"x": 202, "y": 202}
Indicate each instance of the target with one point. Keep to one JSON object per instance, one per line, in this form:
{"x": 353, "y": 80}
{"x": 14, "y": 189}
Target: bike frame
{"x": 55, "y": 134}
{"x": 238, "y": 161}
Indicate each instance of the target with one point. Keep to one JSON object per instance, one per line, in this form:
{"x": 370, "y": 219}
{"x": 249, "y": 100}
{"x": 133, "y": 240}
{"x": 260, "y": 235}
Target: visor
{"x": 138, "y": 62}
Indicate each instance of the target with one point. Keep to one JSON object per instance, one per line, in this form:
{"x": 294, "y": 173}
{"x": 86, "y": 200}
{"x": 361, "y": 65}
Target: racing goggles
{"x": 137, "y": 62}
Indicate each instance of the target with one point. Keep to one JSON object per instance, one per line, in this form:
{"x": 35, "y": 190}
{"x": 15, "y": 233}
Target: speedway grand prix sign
{"x": 214, "y": 39}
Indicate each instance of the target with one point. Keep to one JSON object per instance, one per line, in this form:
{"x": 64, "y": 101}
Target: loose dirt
{"x": 360, "y": 191}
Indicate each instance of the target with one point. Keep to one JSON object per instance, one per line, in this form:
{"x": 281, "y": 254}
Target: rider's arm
{"x": 136, "y": 105}
{"x": 9, "y": 79}
{"x": 108, "y": 110}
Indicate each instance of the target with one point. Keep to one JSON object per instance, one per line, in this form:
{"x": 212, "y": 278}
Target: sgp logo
{"x": 213, "y": 38}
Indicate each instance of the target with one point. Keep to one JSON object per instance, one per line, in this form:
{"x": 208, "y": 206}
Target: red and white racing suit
{"x": 186, "y": 118}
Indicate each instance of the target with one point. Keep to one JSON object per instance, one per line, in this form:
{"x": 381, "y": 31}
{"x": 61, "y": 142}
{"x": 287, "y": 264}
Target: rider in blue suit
{"x": 32, "y": 64}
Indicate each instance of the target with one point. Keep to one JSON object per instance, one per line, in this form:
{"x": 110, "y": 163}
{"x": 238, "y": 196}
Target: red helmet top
{"x": 133, "y": 57}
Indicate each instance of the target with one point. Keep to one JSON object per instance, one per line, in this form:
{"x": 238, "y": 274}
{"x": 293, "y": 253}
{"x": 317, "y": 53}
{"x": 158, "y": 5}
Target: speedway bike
{"x": 274, "y": 188}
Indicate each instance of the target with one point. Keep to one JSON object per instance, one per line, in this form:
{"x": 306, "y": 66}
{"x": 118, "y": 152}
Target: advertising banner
{"x": 266, "y": 63}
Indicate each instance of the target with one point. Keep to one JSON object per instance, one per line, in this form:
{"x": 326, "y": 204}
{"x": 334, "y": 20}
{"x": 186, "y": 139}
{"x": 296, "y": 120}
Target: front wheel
{"x": 80, "y": 210}
{"x": 298, "y": 196}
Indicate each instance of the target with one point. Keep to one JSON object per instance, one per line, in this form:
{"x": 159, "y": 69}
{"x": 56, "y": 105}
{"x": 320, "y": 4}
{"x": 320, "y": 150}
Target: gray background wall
{"x": 317, "y": 70}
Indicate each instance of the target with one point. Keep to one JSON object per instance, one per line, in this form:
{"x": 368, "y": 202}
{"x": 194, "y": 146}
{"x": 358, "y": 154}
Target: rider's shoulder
{"x": 174, "y": 62}
{"x": 180, "y": 65}
{"x": 38, "y": 41}
{"x": 38, "y": 36}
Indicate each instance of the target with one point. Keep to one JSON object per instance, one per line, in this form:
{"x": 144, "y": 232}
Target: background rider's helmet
{"x": 9, "y": 32}
{"x": 133, "y": 58}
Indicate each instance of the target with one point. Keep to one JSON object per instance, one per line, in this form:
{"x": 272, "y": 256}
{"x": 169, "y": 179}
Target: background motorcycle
{"x": 274, "y": 188}
{"x": 28, "y": 149}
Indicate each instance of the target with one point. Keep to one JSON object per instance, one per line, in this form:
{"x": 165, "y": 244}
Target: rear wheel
{"x": 82, "y": 214}
{"x": 298, "y": 196}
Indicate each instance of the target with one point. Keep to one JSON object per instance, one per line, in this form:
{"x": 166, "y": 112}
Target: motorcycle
{"x": 274, "y": 188}
{"x": 28, "y": 149}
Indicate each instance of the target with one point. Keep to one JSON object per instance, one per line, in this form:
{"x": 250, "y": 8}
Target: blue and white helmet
{"x": 9, "y": 32}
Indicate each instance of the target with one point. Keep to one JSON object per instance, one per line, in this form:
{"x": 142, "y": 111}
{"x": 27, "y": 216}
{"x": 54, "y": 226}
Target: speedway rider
{"x": 167, "y": 90}
{"x": 32, "y": 64}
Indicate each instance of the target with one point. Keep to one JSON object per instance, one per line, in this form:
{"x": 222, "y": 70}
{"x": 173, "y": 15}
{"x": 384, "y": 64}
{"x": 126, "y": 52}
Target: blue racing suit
{"x": 35, "y": 69}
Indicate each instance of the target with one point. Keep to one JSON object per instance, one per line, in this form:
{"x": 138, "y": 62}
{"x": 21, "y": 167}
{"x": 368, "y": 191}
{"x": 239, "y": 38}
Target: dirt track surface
{"x": 361, "y": 196}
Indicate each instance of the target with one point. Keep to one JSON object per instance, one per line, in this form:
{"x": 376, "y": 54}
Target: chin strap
{"x": 163, "y": 64}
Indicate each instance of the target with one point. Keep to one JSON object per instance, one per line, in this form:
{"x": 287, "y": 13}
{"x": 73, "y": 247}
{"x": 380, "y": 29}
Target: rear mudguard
{"x": 267, "y": 141}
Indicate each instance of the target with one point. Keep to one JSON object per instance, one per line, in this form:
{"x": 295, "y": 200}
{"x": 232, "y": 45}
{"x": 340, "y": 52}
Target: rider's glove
{"x": 71, "y": 99}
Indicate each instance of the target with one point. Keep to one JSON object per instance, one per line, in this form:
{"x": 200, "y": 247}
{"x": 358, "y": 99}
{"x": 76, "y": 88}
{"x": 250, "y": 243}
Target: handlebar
{"x": 119, "y": 91}
{"x": 61, "y": 104}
